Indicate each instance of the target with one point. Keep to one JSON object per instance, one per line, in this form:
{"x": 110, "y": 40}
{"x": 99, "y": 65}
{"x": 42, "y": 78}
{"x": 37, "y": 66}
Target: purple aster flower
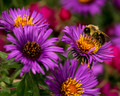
{"x": 33, "y": 49}
{"x": 85, "y": 47}
{"x": 84, "y": 6}
{"x": 114, "y": 32}
{"x": 97, "y": 68}
{"x": 116, "y": 37}
{"x": 117, "y": 30}
{"x": 72, "y": 80}
{"x": 18, "y": 17}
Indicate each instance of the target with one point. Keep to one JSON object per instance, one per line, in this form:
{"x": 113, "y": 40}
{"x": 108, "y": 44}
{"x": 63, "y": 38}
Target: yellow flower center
{"x": 25, "y": 20}
{"x": 71, "y": 87}
{"x": 85, "y": 1}
{"x": 86, "y": 44}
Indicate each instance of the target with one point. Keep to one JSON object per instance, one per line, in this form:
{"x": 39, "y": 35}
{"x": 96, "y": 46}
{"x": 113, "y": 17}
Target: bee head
{"x": 87, "y": 30}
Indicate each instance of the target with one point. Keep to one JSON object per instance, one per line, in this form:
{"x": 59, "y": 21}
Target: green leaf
{"x": 45, "y": 93}
{"x": 5, "y": 90}
{"x": 70, "y": 54}
{"x": 40, "y": 79}
{"x": 21, "y": 88}
{"x": 4, "y": 94}
{"x": 28, "y": 86}
{"x": 10, "y": 93}
{"x": 3, "y": 55}
{"x": 7, "y": 64}
{"x": 13, "y": 65}
{"x": 17, "y": 72}
{"x": 63, "y": 58}
{"x": 6, "y": 79}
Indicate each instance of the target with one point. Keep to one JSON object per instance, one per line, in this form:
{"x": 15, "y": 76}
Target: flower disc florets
{"x": 25, "y": 20}
{"x": 71, "y": 87}
{"x": 86, "y": 1}
{"x": 32, "y": 50}
{"x": 85, "y": 44}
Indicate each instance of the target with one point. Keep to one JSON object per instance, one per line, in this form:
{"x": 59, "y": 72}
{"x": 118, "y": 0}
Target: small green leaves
{"x": 29, "y": 87}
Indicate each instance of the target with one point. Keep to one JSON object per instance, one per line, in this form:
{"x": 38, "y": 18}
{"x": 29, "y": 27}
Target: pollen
{"x": 85, "y": 44}
{"x": 85, "y": 1}
{"x": 32, "y": 50}
{"x": 71, "y": 87}
{"x": 25, "y": 20}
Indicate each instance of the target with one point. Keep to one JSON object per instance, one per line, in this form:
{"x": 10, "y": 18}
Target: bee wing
{"x": 107, "y": 38}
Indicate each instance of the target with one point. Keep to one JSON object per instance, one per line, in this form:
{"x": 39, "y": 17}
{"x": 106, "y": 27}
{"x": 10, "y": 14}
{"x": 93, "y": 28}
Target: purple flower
{"x": 114, "y": 33}
{"x": 116, "y": 39}
{"x": 97, "y": 68}
{"x": 84, "y": 6}
{"x": 18, "y": 17}
{"x": 86, "y": 47}
{"x": 33, "y": 49}
{"x": 72, "y": 80}
{"x": 117, "y": 30}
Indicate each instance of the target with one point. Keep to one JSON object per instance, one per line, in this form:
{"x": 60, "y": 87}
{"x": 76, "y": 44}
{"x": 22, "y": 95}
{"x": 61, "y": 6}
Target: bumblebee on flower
{"x": 86, "y": 47}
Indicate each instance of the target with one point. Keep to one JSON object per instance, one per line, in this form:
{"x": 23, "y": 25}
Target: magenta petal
{"x": 13, "y": 54}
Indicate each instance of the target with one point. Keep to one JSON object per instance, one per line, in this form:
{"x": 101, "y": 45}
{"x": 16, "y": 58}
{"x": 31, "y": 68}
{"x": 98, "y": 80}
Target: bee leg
{"x": 96, "y": 36}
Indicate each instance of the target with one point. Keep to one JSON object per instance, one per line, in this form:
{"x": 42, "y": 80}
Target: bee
{"x": 94, "y": 32}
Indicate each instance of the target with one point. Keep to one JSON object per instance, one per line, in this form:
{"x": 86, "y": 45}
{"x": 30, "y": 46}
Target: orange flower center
{"x": 25, "y": 20}
{"x": 85, "y": 1}
{"x": 86, "y": 44}
{"x": 71, "y": 87}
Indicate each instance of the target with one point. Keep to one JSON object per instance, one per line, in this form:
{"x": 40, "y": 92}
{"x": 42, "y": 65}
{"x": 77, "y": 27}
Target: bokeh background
{"x": 59, "y": 15}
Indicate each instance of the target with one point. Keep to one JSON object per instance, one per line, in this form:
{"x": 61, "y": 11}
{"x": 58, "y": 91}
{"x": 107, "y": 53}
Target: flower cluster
{"x": 84, "y": 6}
{"x": 31, "y": 45}
{"x": 29, "y": 40}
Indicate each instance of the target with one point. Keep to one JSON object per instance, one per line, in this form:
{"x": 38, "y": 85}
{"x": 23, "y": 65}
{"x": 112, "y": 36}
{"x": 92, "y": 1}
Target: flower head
{"x": 115, "y": 61}
{"x": 84, "y": 46}
{"x": 72, "y": 81}
{"x": 64, "y": 14}
{"x": 33, "y": 49}
{"x": 84, "y": 6}
{"x": 97, "y": 68}
{"x": 114, "y": 32}
{"x": 48, "y": 13}
{"x": 107, "y": 90}
{"x": 2, "y": 40}
{"x": 18, "y": 17}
